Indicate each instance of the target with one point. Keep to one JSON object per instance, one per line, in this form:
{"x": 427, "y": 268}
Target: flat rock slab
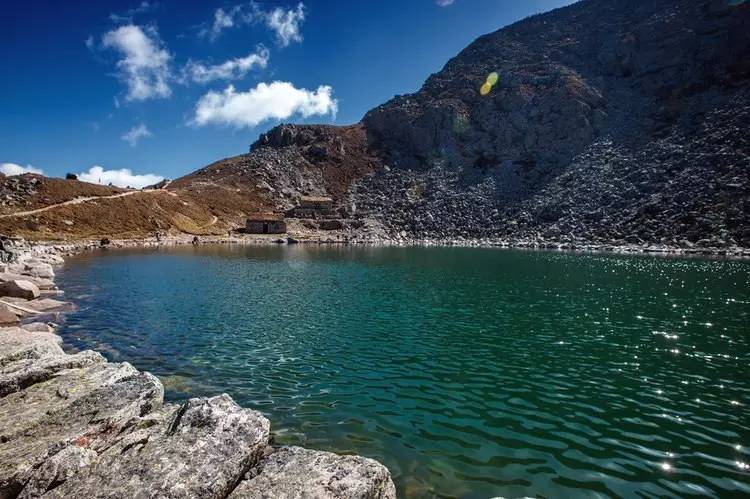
{"x": 201, "y": 451}
{"x": 17, "y": 344}
{"x": 23, "y": 373}
{"x": 92, "y": 413}
{"x": 297, "y": 473}
{"x": 19, "y": 288}
{"x": 40, "y": 282}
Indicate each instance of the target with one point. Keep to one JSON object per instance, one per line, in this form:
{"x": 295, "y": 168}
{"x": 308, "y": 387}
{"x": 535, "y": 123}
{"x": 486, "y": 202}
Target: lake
{"x": 470, "y": 373}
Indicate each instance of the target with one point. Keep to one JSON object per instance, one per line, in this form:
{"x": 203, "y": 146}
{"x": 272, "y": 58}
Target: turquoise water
{"x": 470, "y": 373}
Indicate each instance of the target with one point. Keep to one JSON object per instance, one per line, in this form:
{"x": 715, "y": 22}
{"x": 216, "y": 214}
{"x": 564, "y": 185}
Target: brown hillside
{"x": 31, "y": 191}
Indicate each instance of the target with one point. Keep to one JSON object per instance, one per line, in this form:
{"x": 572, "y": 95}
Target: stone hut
{"x": 313, "y": 207}
{"x": 265, "y": 223}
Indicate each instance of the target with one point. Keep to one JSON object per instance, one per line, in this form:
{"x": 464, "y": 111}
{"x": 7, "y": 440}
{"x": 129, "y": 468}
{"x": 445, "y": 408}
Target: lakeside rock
{"x": 322, "y": 475}
{"x": 75, "y": 425}
{"x": 19, "y": 288}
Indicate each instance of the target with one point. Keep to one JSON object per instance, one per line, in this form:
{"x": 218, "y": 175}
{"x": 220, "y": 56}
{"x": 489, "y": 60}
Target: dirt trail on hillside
{"x": 77, "y": 201}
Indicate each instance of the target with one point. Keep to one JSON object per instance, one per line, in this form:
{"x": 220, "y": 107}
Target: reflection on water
{"x": 469, "y": 372}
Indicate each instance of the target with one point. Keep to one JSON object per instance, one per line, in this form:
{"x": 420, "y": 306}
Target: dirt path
{"x": 77, "y": 201}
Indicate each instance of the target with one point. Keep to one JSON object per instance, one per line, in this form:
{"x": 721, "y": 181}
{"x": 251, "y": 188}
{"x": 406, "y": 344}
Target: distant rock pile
{"x": 16, "y": 190}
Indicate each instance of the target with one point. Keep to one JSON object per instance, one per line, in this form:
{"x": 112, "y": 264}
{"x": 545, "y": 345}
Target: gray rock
{"x": 40, "y": 270}
{"x": 12, "y": 276}
{"x": 294, "y": 472}
{"x": 38, "y": 327}
{"x": 7, "y": 316}
{"x": 91, "y": 407}
{"x": 57, "y": 469}
{"x": 19, "y": 289}
{"x": 17, "y": 344}
{"x": 23, "y": 373}
{"x": 203, "y": 451}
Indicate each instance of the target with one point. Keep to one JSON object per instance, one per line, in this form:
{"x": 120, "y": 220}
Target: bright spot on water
{"x": 734, "y": 402}
{"x": 743, "y": 466}
{"x": 666, "y": 466}
{"x": 738, "y": 447}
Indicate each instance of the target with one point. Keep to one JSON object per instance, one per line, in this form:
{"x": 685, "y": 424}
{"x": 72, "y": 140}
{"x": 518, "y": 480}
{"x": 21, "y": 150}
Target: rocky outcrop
{"x": 199, "y": 449}
{"x": 321, "y": 475}
{"x": 75, "y": 425}
{"x": 611, "y": 121}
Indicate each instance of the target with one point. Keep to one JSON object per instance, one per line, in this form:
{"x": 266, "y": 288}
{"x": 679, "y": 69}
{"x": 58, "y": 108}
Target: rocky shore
{"x": 75, "y": 425}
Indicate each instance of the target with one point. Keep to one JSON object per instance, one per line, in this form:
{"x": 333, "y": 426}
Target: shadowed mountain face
{"x": 610, "y": 120}
{"x": 607, "y": 121}
{"x": 624, "y": 69}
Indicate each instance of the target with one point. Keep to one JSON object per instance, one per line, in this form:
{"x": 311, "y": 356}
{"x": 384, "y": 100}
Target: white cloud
{"x": 234, "y": 16}
{"x": 136, "y": 133}
{"x": 285, "y": 23}
{"x": 277, "y": 100}
{"x": 14, "y": 169}
{"x": 120, "y": 178}
{"x": 145, "y": 63}
{"x": 444, "y": 3}
{"x": 228, "y": 70}
{"x": 128, "y": 15}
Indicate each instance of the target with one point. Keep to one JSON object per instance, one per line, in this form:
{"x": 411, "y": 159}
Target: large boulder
{"x": 294, "y": 472}
{"x": 201, "y": 451}
{"x": 17, "y": 344}
{"x": 91, "y": 407}
{"x": 26, "y": 372}
{"x": 40, "y": 270}
{"x": 18, "y": 288}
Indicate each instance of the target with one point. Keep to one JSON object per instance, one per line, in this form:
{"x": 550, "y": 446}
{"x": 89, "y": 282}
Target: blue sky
{"x": 167, "y": 87}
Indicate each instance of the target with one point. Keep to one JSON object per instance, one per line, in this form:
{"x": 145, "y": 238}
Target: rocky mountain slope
{"x": 611, "y": 120}
{"x": 607, "y": 121}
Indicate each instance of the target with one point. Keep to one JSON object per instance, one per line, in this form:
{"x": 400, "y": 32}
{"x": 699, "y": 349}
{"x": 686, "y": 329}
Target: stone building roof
{"x": 316, "y": 199}
{"x": 265, "y": 217}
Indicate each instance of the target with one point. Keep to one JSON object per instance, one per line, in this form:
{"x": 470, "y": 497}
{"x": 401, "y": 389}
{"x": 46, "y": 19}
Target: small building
{"x": 318, "y": 203}
{"x": 312, "y": 207}
{"x": 265, "y": 223}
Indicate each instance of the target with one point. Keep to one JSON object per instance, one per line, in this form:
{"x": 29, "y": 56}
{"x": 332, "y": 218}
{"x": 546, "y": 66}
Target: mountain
{"x": 607, "y": 121}
{"x": 611, "y": 120}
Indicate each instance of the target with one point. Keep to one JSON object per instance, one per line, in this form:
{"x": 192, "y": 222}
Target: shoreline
{"x": 68, "y": 248}
{"x": 76, "y": 425}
